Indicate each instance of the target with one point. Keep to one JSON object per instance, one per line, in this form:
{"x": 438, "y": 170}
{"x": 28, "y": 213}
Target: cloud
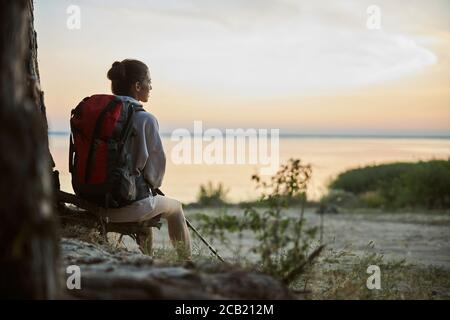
{"x": 259, "y": 48}
{"x": 286, "y": 58}
{"x": 240, "y": 48}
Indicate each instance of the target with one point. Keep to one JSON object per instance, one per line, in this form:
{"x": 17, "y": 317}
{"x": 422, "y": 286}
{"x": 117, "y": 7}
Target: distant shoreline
{"x": 318, "y": 136}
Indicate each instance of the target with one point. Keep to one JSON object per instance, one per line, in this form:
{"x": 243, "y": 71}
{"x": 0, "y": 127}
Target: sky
{"x": 311, "y": 67}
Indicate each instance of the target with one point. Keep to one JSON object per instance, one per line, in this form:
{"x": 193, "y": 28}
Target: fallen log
{"x": 88, "y": 214}
{"x": 128, "y": 275}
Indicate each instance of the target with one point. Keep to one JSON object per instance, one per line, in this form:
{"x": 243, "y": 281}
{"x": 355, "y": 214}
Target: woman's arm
{"x": 155, "y": 165}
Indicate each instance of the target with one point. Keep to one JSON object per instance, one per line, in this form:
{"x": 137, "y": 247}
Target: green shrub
{"x": 372, "y": 199}
{"x": 283, "y": 244}
{"x": 340, "y": 198}
{"x": 209, "y": 195}
{"x": 399, "y": 185}
{"x": 428, "y": 185}
{"x": 369, "y": 178}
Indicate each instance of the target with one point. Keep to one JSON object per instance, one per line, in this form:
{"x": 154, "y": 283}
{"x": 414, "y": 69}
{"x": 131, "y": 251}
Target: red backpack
{"x": 99, "y": 155}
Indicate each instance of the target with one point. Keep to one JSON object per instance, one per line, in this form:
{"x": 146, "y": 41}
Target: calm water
{"x": 328, "y": 157}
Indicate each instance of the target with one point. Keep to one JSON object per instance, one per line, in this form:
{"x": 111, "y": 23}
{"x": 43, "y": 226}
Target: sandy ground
{"x": 419, "y": 238}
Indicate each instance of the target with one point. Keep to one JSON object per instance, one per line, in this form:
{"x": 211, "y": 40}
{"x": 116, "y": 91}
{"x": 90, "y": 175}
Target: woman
{"x": 130, "y": 80}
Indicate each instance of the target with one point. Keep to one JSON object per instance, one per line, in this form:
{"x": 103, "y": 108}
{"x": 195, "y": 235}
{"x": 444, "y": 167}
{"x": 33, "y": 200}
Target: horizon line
{"x": 321, "y": 135}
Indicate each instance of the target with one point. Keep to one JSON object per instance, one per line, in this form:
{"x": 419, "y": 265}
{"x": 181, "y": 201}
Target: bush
{"x": 283, "y": 244}
{"x": 427, "y": 185}
{"x": 340, "y": 198}
{"x": 399, "y": 185}
{"x": 372, "y": 199}
{"x": 212, "y": 196}
{"x": 369, "y": 178}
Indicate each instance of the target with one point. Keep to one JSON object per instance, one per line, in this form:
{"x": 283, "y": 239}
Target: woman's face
{"x": 142, "y": 89}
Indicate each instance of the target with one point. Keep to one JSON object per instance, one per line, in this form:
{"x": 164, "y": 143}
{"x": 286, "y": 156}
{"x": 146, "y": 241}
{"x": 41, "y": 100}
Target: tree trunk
{"x": 28, "y": 238}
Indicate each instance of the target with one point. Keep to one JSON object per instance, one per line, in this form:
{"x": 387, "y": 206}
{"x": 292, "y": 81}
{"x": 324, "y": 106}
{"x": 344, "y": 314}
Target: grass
{"x": 399, "y": 281}
{"x": 335, "y": 275}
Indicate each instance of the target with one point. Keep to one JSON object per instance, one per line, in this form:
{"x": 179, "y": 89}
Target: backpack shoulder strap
{"x": 136, "y": 106}
{"x": 132, "y": 109}
{"x": 98, "y": 125}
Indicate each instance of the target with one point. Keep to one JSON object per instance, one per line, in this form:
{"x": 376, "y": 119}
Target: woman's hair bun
{"x": 125, "y": 74}
{"x": 117, "y": 71}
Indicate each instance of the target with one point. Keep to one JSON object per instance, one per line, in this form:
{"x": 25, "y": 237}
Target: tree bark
{"x": 28, "y": 237}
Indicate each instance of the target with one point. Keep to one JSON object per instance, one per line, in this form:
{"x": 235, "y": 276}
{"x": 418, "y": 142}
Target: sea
{"x": 327, "y": 155}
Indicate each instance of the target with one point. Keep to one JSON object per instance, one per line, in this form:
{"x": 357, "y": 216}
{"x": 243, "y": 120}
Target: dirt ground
{"x": 354, "y": 240}
{"x": 421, "y": 239}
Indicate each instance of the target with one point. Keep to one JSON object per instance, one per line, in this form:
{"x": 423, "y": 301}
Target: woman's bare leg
{"x": 171, "y": 210}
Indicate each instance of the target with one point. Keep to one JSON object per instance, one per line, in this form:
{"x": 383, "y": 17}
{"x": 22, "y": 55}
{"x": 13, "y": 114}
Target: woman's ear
{"x": 137, "y": 86}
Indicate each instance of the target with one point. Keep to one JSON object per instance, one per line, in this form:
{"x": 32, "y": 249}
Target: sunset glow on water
{"x": 328, "y": 157}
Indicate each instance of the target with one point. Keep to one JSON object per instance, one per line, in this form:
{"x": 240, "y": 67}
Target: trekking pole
{"x": 158, "y": 191}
